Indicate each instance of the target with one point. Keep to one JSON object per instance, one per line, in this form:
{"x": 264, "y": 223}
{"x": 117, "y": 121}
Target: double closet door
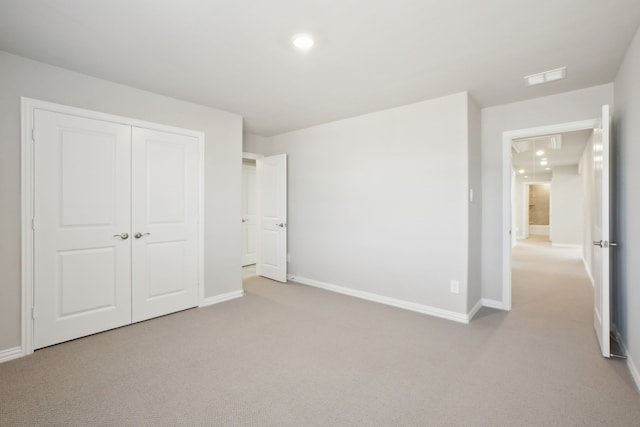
{"x": 115, "y": 225}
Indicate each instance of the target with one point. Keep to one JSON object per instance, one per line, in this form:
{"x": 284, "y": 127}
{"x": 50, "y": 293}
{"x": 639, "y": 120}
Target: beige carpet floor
{"x": 291, "y": 355}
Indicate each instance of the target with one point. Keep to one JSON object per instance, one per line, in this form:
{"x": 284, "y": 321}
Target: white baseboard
{"x": 475, "y": 309}
{"x": 633, "y": 368}
{"x": 491, "y": 303}
{"x": 217, "y": 299}
{"x": 10, "y": 354}
{"x": 406, "y": 305}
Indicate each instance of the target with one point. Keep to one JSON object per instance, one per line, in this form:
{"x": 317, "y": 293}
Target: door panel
{"x": 272, "y": 217}
{"x": 600, "y": 232}
{"x": 165, "y": 217}
{"x": 249, "y": 216}
{"x": 81, "y": 207}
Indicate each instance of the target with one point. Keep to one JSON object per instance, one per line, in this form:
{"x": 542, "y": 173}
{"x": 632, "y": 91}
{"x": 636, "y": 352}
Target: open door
{"x": 271, "y": 175}
{"x": 601, "y": 211}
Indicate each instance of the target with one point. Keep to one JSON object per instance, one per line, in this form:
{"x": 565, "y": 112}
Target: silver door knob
{"x": 123, "y": 236}
{"x": 244, "y": 220}
{"x": 599, "y": 243}
{"x": 282, "y": 224}
{"x": 139, "y": 235}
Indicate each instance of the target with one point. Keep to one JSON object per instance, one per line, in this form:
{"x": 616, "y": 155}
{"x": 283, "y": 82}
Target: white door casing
{"x": 164, "y": 223}
{"x": 249, "y": 217}
{"x": 82, "y": 243}
{"x": 272, "y": 217}
{"x": 601, "y": 232}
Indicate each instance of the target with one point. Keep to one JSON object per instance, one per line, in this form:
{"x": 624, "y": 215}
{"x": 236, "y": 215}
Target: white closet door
{"x": 82, "y": 245}
{"x": 164, "y": 223}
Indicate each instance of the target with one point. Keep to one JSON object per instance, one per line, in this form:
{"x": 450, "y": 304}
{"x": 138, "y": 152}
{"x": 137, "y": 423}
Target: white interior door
{"x": 82, "y": 249}
{"x": 272, "y": 217}
{"x": 601, "y": 253}
{"x": 249, "y": 217}
{"x": 164, "y": 223}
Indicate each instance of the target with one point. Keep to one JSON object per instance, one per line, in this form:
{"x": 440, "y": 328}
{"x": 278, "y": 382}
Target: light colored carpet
{"x": 291, "y": 355}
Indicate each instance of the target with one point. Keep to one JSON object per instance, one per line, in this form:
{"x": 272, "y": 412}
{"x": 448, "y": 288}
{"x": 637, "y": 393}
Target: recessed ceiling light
{"x": 543, "y": 163}
{"x": 302, "y": 41}
{"x": 539, "y": 153}
{"x": 548, "y": 169}
{"x": 526, "y": 176}
{"x": 520, "y": 170}
{"x": 546, "y": 76}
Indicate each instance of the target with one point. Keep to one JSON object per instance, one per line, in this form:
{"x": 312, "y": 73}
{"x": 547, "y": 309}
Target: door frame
{"x": 27, "y": 195}
{"x": 507, "y": 138}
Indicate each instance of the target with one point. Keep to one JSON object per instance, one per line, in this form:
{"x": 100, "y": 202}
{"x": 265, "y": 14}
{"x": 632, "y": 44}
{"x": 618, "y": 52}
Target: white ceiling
{"x": 369, "y": 54}
{"x": 573, "y": 145}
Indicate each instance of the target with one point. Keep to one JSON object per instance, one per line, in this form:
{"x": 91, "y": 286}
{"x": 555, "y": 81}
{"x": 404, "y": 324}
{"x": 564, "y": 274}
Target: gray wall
{"x": 223, "y": 147}
{"x": 566, "y": 107}
{"x": 379, "y": 203}
{"x": 627, "y": 153}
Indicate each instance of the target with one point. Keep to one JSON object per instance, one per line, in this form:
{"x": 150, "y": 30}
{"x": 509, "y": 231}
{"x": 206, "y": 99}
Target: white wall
{"x": 379, "y": 203}
{"x": 627, "y": 176}
{"x": 252, "y": 143}
{"x": 563, "y": 108}
{"x": 566, "y": 206}
{"x": 223, "y": 147}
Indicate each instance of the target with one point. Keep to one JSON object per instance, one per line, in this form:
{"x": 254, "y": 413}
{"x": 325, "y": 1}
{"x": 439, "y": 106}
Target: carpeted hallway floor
{"x": 291, "y": 355}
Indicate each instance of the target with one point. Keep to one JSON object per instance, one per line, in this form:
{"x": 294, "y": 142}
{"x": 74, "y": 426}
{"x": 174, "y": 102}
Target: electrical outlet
{"x": 455, "y": 287}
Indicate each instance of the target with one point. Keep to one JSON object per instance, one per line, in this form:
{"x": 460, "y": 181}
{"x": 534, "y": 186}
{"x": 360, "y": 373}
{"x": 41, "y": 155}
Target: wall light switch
{"x": 455, "y": 287}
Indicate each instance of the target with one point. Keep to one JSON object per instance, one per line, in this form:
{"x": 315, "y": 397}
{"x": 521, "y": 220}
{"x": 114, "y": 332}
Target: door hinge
{"x": 33, "y": 224}
{"x": 33, "y": 135}
{"x": 33, "y": 313}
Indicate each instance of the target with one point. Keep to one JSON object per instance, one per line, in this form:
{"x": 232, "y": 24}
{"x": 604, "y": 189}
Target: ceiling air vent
{"x": 546, "y": 76}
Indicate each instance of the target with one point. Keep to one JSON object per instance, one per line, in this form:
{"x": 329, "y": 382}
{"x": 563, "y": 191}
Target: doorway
{"x": 249, "y": 215}
{"x": 264, "y": 220}
{"x": 525, "y": 141}
{"x": 536, "y": 210}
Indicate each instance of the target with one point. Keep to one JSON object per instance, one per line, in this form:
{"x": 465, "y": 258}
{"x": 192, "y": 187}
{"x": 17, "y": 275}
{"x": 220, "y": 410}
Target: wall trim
{"x": 406, "y": 305}
{"x": 10, "y": 354}
{"x": 27, "y": 192}
{"x": 474, "y": 309}
{"x": 633, "y": 368}
{"x": 491, "y": 303}
{"x": 217, "y": 299}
